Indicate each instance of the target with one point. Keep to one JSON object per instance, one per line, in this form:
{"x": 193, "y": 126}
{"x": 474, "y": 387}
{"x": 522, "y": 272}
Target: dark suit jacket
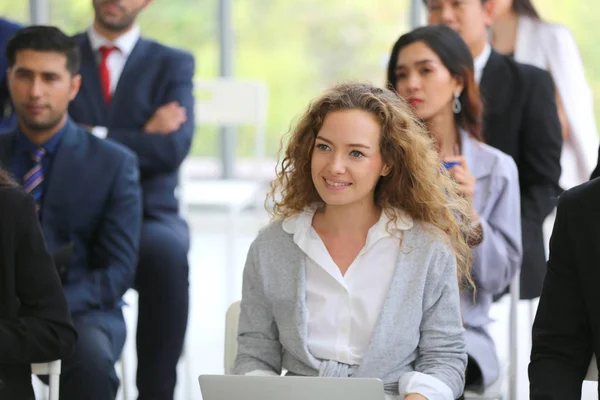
{"x": 92, "y": 200}
{"x": 567, "y": 325}
{"x": 7, "y": 117}
{"x": 521, "y": 120}
{"x": 596, "y": 172}
{"x": 35, "y": 325}
{"x": 154, "y": 75}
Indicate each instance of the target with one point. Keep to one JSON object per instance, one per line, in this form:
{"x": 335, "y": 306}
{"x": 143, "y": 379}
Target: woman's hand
{"x": 414, "y": 396}
{"x": 461, "y": 174}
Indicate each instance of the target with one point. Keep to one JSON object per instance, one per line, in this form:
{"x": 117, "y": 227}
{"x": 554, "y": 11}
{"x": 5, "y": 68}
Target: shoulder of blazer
{"x": 95, "y": 148}
{"x": 583, "y": 198}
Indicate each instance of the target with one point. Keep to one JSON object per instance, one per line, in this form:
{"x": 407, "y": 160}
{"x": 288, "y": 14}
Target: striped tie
{"x": 32, "y": 182}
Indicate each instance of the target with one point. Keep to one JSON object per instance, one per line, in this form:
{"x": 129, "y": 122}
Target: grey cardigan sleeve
{"x": 442, "y": 350}
{"x": 258, "y": 336}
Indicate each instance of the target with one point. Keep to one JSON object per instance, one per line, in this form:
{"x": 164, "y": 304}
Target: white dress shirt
{"x": 343, "y": 310}
{"x": 480, "y": 62}
{"x": 116, "y": 60}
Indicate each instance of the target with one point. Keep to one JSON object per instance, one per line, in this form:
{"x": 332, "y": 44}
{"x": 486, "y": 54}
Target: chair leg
{"x": 124, "y": 383}
{"x": 513, "y": 337}
{"x": 53, "y": 386}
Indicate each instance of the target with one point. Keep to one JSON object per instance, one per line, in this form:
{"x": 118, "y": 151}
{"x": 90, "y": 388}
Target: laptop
{"x": 240, "y": 387}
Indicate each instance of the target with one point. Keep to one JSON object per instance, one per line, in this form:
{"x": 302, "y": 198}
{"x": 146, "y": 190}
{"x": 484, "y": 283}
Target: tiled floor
{"x": 209, "y": 279}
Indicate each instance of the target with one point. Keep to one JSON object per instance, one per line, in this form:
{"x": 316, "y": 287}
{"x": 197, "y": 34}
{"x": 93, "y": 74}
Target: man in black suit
{"x": 565, "y": 331}
{"x": 520, "y": 119}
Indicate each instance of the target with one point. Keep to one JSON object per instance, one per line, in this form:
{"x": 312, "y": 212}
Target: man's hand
{"x": 414, "y": 396}
{"x": 167, "y": 119}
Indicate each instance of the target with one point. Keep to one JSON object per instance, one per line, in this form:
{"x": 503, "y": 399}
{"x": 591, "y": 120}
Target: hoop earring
{"x": 456, "y": 106}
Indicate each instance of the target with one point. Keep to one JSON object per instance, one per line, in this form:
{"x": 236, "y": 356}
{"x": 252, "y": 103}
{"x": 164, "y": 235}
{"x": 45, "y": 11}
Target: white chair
{"x": 592, "y": 373}
{"x": 231, "y": 333}
{"x": 228, "y": 102}
{"x": 233, "y": 102}
{"x": 52, "y": 369}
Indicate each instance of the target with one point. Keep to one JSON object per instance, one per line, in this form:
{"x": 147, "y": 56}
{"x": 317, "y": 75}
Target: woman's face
{"x": 424, "y": 81}
{"x": 346, "y": 162}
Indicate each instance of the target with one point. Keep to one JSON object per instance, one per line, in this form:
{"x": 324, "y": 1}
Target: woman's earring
{"x": 456, "y": 106}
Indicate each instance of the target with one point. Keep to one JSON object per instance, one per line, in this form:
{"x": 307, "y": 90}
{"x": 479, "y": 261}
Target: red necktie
{"x": 105, "y": 72}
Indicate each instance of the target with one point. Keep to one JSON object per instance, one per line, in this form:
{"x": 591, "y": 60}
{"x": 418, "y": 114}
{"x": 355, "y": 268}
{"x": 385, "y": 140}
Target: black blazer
{"x": 35, "y": 325}
{"x": 521, "y": 120}
{"x": 567, "y": 326}
{"x": 596, "y": 172}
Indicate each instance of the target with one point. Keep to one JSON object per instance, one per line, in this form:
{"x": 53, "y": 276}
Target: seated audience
{"x": 519, "y": 31}
{"x": 88, "y": 201}
{"x": 359, "y": 273}
{"x": 565, "y": 331}
{"x": 432, "y": 68}
{"x": 35, "y": 325}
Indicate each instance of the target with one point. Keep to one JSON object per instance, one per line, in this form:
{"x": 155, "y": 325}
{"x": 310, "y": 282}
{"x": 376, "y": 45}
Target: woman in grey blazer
{"x": 358, "y": 275}
{"x": 432, "y": 68}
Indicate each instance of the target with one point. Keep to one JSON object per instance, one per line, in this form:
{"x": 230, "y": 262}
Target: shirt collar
{"x": 480, "y": 62}
{"x": 125, "y": 43}
{"x": 24, "y": 145}
{"x": 301, "y": 223}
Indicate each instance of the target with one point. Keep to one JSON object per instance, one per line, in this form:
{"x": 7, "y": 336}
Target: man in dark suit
{"x": 7, "y": 117}
{"x": 565, "y": 331}
{"x": 520, "y": 119}
{"x": 88, "y": 201}
{"x": 140, "y": 93}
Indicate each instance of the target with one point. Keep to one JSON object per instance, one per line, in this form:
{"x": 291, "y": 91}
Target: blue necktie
{"x": 32, "y": 181}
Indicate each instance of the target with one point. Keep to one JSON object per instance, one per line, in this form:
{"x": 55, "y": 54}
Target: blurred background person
{"x": 7, "y": 117}
{"x": 88, "y": 202}
{"x": 432, "y": 69}
{"x": 35, "y": 325}
{"x": 139, "y": 93}
{"x": 520, "y": 119}
{"x": 519, "y": 31}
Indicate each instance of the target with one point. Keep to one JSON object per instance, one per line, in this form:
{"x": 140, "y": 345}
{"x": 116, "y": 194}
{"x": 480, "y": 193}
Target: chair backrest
{"x": 231, "y": 333}
{"x": 230, "y": 102}
{"x": 592, "y": 373}
{"x": 52, "y": 369}
{"x": 233, "y": 102}
{"x": 49, "y": 368}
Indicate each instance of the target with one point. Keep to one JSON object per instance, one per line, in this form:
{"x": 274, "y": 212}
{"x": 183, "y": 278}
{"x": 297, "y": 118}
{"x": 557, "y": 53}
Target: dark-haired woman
{"x": 35, "y": 325}
{"x": 519, "y": 30}
{"x": 432, "y": 69}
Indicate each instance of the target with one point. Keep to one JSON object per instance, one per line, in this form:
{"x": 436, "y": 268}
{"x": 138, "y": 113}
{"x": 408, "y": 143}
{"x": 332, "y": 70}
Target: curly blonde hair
{"x": 416, "y": 182}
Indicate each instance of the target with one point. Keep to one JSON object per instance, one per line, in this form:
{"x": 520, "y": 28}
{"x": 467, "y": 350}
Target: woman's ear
{"x": 386, "y": 170}
{"x": 459, "y": 85}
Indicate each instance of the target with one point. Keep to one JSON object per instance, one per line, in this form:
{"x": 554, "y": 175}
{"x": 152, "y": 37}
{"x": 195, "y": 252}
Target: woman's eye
{"x": 322, "y": 146}
{"x": 356, "y": 153}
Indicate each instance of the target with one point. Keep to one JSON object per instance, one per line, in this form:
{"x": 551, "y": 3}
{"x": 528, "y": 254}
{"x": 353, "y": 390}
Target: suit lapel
{"x": 91, "y": 88}
{"x": 63, "y": 176}
{"x": 493, "y": 84}
{"x": 134, "y": 64}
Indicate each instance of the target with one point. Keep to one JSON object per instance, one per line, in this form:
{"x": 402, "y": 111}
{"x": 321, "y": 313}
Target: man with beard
{"x": 88, "y": 201}
{"x": 140, "y": 93}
